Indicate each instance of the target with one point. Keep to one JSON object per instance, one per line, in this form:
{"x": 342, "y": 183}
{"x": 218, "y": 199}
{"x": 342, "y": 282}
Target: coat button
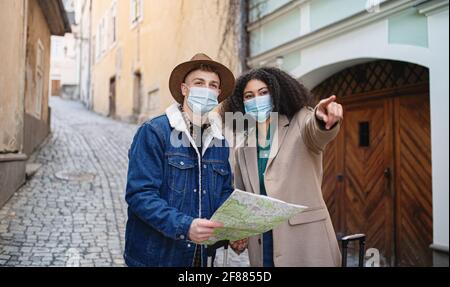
{"x": 204, "y": 166}
{"x": 181, "y": 237}
{"x": 204, "y": 191}
{"x": 195, "y": 190}
{"x": 189, "y": 245}
{"x": 181, "y": 163}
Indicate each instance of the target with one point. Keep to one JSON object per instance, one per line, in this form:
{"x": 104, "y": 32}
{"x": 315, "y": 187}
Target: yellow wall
{"x": 38, "y": 30}
{"x": 11, "y": 75}
{"x": 104, "y": 66}
{"x": 171, "y": 32}
{"x": 22, "y": 25}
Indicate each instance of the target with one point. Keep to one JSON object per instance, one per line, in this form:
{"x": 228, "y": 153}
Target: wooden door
{"x": 414, "y": 222}
{"x": 112, "y": 97}
{"x": 377, "y": 172}
{"x": 56, "y": 88}
{"x": 367, "y": 195}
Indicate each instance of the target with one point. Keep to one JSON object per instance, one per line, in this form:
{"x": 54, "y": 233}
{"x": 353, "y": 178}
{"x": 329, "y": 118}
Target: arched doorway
{"x": 377, "y": 172}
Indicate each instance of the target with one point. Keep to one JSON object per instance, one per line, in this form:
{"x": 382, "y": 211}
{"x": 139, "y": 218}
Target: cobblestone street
{"x": 72, "y": 211}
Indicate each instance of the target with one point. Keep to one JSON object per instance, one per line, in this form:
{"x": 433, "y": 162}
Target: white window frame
{"x": 101, "y": 39}
{"x": 104, "y": 34}
{"x": 113, "y": 25}
{"x": 107, "y": 32}
{"x": 136, "y": 12}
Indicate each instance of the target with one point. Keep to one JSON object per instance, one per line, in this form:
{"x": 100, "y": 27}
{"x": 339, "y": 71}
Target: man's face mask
{"x": 259, "y": 107}
{"x": 202, "y": 100}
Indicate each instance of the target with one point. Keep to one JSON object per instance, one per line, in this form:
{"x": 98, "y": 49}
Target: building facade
{"x": 133, "y": 46}
{"x": 64, "y": 63}
{"x": 64, "y": 75}
{"x": 25, "y": 30}
{"x": 387, "y": 61}
{"x": 83, "y": 18}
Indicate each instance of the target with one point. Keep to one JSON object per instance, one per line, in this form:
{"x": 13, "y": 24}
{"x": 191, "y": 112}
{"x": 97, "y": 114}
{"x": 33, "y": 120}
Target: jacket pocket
{"x": 309, "y": 216}
{"x": 220, "y": 172}
{"x": 179, "y": 170}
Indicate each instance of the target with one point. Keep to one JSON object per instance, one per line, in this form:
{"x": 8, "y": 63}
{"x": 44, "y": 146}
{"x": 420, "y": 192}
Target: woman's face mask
{"x": 202, "y": 100}
{"x": 259, "y": 107}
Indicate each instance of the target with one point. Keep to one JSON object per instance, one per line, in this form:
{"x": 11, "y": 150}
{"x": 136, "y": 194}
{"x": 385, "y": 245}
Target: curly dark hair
{"x": 288, "y": 95}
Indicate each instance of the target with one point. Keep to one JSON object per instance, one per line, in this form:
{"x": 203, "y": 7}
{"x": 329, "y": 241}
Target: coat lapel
{"x": 278, "y": 138}
{"x": 251, "y": 160}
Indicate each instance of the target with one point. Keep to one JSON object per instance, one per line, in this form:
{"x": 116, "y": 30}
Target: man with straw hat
{"x": 178, "y": 172}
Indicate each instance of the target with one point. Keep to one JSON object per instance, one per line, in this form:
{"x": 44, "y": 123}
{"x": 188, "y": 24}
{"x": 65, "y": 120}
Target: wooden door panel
{"x": 112, "y": 97}
{"x": 413, "y": 182}
{"x": 367, "y": 192}
{"x": 397, "y": 221}
{"x": 330, "y": 188}
{"x": 56, "y": 87}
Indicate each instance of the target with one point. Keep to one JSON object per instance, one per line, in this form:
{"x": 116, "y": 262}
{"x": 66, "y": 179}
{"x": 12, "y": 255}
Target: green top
{"x": 263, "y": 158}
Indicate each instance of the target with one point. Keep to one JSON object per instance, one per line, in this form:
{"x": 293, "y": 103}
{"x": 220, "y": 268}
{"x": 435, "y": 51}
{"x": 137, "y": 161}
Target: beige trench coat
{"x": 293, "y": 174}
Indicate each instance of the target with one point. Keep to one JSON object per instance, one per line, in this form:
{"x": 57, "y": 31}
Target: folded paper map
{"x": 246, "y": 214}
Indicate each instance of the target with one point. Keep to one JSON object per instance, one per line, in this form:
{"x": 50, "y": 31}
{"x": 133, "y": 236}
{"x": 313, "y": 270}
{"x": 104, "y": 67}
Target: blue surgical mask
{"x": 259, "y": 107}
{"x": 202, "y": 100}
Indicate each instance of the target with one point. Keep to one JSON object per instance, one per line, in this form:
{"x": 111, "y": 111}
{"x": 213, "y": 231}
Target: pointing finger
{"x": 328, "y": 101}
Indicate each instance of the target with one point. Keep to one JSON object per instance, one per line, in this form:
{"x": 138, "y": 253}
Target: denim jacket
{"x": 169, "y": 185}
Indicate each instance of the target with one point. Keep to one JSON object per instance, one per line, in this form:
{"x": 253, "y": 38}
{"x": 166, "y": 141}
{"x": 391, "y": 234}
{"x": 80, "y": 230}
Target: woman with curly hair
{"x": 286, "y": 163}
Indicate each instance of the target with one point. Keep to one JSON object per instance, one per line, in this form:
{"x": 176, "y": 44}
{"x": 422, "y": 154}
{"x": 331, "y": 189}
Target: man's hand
{"x": 239, "y": 246}
{"x": 329, "y": 112}
{"x": 202, "y": 229}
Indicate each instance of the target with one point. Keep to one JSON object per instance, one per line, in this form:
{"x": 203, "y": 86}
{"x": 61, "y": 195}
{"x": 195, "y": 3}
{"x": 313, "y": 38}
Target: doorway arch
{"x": 377, "y": 172}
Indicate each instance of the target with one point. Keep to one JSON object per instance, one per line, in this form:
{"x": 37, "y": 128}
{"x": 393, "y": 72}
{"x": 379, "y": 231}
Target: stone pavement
{"x": 72, "y": 212}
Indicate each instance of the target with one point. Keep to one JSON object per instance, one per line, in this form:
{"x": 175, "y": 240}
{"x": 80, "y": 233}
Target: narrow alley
{"x": 72, "y": 212}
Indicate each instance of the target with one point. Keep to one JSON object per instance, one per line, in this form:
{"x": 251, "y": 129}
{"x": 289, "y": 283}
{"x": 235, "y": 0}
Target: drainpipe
{"x": 80, "y": 60}
{"x": 89, "y": 98}
{"x": 20, "y": 137}
{"x": 243, "y": 39}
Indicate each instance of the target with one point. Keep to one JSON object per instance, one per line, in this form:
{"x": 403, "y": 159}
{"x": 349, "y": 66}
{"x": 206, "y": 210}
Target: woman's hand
{"x": 239, "y": 246}
{"x": 329, "y": 112}
{"x": 202, "y": 229}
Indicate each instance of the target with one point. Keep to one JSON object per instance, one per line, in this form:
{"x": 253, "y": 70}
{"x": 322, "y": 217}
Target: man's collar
{"x": 177, "y": 121}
